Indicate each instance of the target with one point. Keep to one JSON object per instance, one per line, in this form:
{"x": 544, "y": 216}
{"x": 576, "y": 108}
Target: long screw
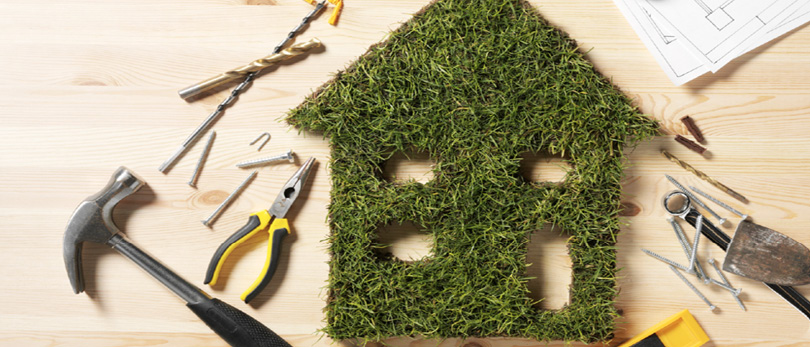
{"x": 234, "y": 94}
{"x": 725, "y": 280}
{"x": 698, "y": 228}
{"x": 699, "y": 294}
{"x": 670, "y": 262}
{"x": 687, "y": 249}
{"x": 735, "y": 291}
{"x": 704, "y": 176}
{"x": 249, "y": 163}
{"x": 207, "y": 222}
{"x": 193, "y": 181}
{"x": 695, "y": 199}
{"x": 719, "y": 203}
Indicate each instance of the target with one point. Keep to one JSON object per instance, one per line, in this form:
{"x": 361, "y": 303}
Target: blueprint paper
{"x": 715, "y": 29}
{"x": 796, "y": 19}
{"x": 691, "y": 37}
{"x": 679, "y": 64}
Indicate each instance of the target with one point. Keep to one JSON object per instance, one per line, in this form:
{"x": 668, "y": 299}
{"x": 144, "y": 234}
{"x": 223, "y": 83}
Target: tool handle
{"x": 256, "y": 222}
{"x": 278, "y": 230}
{"x": 179, "y": 286}
{"x": 235, "y": 326}
{"x": 722, "y": 240}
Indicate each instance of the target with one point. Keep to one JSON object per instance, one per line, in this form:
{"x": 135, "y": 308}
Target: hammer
{"x": 92, "y": 221}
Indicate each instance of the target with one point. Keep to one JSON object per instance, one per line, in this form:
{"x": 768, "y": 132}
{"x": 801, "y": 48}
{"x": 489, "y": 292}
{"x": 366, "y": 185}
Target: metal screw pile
{"x": 694, "y": 267}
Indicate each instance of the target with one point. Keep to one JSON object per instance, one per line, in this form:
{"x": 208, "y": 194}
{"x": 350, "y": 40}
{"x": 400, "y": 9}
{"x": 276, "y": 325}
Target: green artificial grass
{"x": 475, "y": 84}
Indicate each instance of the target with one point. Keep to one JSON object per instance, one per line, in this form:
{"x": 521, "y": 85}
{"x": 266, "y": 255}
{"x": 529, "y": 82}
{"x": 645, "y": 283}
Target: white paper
{"x": 691, "y": 37}
{"x": 679, "y": 64}
{"x": 797, "y": 18}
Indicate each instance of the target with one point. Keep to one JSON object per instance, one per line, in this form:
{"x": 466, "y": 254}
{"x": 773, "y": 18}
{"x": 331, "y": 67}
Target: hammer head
{"x": 92, "y": 221}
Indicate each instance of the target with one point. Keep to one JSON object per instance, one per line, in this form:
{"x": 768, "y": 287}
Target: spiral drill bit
{"x": 235, "y": 93}
{"x": 253, "y": 67}
{"x": 704, "y": 176}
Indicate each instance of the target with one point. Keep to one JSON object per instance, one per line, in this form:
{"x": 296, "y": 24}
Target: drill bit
{"x": 253, "y": 67}
{"x": 235, "y": 93}
{"x": 704, "y": 176}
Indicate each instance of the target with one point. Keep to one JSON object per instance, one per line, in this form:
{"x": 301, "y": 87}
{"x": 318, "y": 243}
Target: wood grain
{"x": 89, "y": 85}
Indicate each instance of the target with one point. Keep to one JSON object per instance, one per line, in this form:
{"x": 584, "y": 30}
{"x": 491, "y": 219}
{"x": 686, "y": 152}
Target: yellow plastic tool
{"x": 335, "y": 13}
{"x": 257, "y": 222}
{"x": 679, "y": 330}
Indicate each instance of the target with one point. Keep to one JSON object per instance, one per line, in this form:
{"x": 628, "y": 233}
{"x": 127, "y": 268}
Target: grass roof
{"x": 475, "y": 84}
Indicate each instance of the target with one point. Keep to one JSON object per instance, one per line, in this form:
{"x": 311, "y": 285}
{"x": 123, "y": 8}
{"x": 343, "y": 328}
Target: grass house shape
{"x": 475, "y": 85}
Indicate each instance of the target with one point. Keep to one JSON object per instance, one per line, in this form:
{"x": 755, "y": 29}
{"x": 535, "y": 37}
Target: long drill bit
{"x": 704, "y": 176}
{"x": 235, "y": 93}
{"x": 250, "y": 68}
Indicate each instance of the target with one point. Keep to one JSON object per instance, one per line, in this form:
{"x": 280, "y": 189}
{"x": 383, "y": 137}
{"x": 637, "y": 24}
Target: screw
{"x": 695, "y": 199}
{"x": 735, "y": 291}
{"x": 725, "y": 280}
{"x": 670, "y": 262}
{"x": 249, "y": 163}
{"x": 699, "y": 294}
{"x": 719, "y": 203}
{"x": 193, "y": 181}
{"x": 221, "y": 207}
{"x": 687, "y": 249}
{"x": 698, "y": 228}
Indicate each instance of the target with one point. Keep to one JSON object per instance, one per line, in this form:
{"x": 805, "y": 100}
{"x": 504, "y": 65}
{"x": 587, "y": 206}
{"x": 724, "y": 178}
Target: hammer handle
{"x": 234, "y": 326}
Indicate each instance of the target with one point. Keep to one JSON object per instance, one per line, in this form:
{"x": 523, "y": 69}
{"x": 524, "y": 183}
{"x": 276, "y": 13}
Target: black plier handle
{"x": 257, "y": 222}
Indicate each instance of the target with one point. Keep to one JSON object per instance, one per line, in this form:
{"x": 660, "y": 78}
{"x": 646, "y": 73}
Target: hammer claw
{"x": 92, "y": 222}
{"x": 73, "y": 263}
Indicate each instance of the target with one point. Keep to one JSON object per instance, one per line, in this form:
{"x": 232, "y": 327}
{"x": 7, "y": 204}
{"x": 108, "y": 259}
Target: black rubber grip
{"x": 278, "y": 236}
{"x": 235, "y": 326}
{"x": 722, "y": 240}
{"x": 252, "y": 223}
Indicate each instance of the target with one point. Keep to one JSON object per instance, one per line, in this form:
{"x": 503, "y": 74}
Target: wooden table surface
{"x": 90, "y": 85}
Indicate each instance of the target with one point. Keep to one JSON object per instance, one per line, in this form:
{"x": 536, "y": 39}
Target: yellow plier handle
{"x": 256, "y": 223}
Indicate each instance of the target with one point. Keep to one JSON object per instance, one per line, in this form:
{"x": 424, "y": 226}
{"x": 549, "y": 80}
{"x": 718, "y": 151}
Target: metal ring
{"x": 687, "y": 204}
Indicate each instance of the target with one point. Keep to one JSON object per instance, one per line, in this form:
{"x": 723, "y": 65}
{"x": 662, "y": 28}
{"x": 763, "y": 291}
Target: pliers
{"x": 279, "y": 228}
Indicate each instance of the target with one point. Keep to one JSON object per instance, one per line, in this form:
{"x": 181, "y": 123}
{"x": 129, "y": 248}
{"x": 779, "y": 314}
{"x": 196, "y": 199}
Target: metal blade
{"x": 766, "y": 255}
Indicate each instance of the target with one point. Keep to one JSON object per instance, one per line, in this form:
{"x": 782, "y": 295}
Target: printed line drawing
{"x": 690, "y": 38}
{"x": 664, "y": 37}
{"x": 730, "y": 34}
{"x": 718, "y": 17}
